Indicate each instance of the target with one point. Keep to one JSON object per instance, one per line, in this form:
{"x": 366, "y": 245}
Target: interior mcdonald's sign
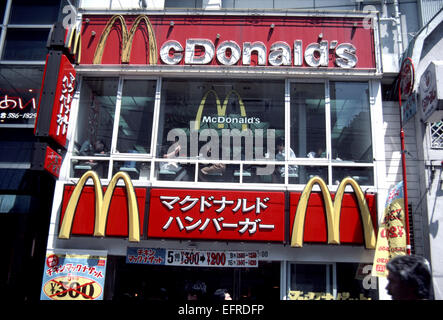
{"x": 339, "y": 218}
{"x": 292, "y": 41}
{"x": 221, "y": 110}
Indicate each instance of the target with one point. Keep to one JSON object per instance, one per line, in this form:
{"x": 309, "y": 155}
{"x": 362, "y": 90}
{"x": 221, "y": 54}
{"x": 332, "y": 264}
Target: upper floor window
{"x": 216, "y": 130}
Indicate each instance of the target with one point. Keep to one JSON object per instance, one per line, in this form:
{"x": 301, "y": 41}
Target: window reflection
{"x": 308, "y": 122}
{"x": 350, "y": 122}
{"x": 218, "y": 120}
{"x": 95, "y": 116}
{"x": 137, "y": 109}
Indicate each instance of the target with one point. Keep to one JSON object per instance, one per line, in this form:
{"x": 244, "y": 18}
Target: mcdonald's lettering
{"x": 102, "y": 221}
{"x": 221, "y": 109}
{"x": 337, "y": 225}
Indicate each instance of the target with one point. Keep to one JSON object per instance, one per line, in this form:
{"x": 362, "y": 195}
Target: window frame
{"x": 155, "y": 160}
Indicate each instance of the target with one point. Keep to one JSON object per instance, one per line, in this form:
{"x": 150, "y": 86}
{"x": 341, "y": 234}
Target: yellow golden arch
{"x": 102, "y": 205}
{"x": 73, "y": 43}
{"x": 127, "y": 38}
{"x": 333, "y": 210}
{"x": 221, "y": 110}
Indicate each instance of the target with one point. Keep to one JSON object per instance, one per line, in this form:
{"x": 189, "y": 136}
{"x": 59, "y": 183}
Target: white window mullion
{"x": 328, "y": 130}
{"x": 116, "y": 123}
{"x": 287, "y": 127}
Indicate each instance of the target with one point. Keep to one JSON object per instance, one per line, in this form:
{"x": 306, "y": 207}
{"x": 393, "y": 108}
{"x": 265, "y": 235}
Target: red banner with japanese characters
{"x": 217, "y": 215}
{"x": 62, "y": 101}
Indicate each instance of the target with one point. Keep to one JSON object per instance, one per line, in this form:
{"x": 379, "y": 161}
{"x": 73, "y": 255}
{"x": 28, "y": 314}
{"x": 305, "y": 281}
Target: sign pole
{"x": 407, "y": 69}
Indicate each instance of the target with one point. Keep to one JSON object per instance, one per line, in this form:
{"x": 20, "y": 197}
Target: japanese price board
{"x": 74, "y": 275}
{"x": 193, "y": 258}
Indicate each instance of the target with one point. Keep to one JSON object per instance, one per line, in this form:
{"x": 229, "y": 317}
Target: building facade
{"x": 211, "y": 145}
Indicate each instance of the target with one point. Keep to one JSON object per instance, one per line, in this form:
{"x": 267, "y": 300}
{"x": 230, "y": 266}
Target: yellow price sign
{"x": 72, "y": 288}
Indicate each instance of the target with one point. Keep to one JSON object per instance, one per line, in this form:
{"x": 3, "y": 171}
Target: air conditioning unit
{"x": 431, "y": 92}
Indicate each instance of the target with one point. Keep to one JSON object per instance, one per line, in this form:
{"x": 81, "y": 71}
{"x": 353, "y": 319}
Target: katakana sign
{"x": 213, "y": 214}
{"x": 195, "y": 258}
{"x": 77, "y": 276}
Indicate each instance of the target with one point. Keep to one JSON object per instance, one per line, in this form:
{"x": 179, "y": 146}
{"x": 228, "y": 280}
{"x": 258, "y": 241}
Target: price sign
{"x": 193, "y": 258}
{"x": 77, "y": 276}
{"x": 72, "y": 288}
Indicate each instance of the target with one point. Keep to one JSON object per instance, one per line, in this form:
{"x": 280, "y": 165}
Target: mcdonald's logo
{"x": 73, "y": 43}
{"x": 221, "y": 109}
{"x": 102, "y": 205}
{"x": 127, "y": 39}
{"x": 333, "y": 212}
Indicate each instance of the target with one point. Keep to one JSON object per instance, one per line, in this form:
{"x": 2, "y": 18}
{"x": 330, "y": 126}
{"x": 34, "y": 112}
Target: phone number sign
{"x": 192, "y": 258}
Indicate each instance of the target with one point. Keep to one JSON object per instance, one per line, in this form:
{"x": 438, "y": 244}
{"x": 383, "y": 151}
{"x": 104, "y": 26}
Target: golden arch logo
{"x": 102, "y": 205}
{"x": 221, "y": 109}
{"x": 73, "y": 43}
{"x": 127, "y": 39}
{"x": 333, "y": 210}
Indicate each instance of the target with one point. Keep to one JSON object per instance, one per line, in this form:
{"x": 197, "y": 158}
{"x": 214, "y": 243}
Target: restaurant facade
{"x": 209, "y": 150}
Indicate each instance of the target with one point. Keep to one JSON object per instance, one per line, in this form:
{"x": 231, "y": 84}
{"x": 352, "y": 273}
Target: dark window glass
{"x": 34, "y": 12}
{"x": 137, "y": 109}
{"x": 19, "y": 93}
{"x": 96, "y": 114}
{"x": 2, "y": 10}
{"x": 351, "y": 136}
{"x": 310, "y": 280}
{"x": 354, "y": 281}
{"x": 308, "y": 121}
{"x": 26, "y": 44}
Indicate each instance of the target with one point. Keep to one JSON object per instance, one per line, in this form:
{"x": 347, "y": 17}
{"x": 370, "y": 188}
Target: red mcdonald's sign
{"x": 229, "y": 40}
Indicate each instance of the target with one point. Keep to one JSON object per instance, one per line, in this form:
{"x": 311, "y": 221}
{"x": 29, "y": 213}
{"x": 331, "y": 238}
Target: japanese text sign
{"x": 218, "y": 215}
{"x": 74, "y": 276}
{"x": 391, "y": 240}
{"x": 62, "y": 101}
{"x": 195, "y": 258}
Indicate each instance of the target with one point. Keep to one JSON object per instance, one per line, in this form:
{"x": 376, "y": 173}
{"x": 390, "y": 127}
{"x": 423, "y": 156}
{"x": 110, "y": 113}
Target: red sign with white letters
{"x": 229, "y": 40}
{"x": 53, "y": 162}
{"x": 62, "y": 101}
{"x": 217, "y": 215}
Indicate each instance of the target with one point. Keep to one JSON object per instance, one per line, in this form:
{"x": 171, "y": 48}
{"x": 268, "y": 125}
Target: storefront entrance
{"x": 143, "y": 282}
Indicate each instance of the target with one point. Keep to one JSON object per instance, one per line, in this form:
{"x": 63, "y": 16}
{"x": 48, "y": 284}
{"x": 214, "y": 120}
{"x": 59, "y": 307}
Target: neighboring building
{"x": 25, "y": 195}
{"x": 210, "y": 119}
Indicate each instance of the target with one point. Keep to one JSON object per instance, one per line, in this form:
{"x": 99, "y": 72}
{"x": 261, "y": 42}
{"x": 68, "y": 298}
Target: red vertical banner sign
{"x": 62, "y": 101}
{"x": 56, "y": 96}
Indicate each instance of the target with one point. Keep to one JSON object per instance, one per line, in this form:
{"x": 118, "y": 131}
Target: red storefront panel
{"x": 117, "y": 220}
{"x": 351, "y": 228}
{"x": 118, "y": 34}
{"x": 217, "y": 215}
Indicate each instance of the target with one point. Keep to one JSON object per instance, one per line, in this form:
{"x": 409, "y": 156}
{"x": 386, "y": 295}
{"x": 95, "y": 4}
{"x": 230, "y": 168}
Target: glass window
{"x": 96, "y": 116}
{"x": 135, "y": 123}
{"x": 220, "y": 120}
{"x": 34, "y": 12}
{"x": 183, "y": 3}
{"x": 25, "y": 44}
{"x": 2, "y": 10}
{"x": 95, "y": 124}
{"x": 354, "y": 281}
{"x": 310, "y": 281}
{"x": 135, "y": 169}
{"x": 308, "y": 121}
{"x": 351, "y": 136}
{"x": 19, "y": 93}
